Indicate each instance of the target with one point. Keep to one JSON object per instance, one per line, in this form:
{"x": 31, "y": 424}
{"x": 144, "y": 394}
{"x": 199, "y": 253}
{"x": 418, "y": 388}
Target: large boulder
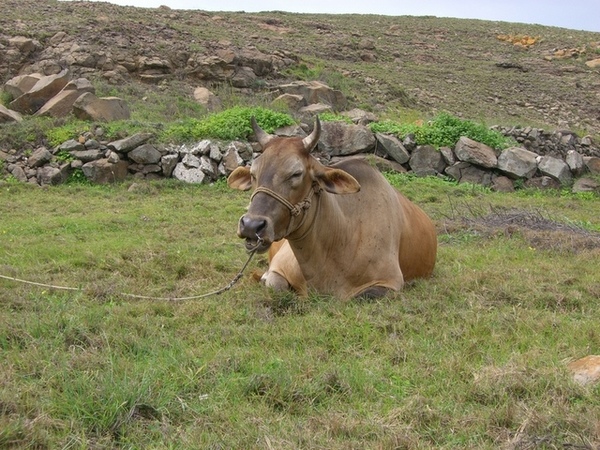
{"x": 340, "y": 139}
{"x": 206, "y": 98}
{"x": 106, "y": 109}
{"x": 425, "y": 160}
{"x": 517, "y": 162}
{"x": 474, "y": 152}
{"x": 315, "y": 92}
{"x": 61, "y": 104}
{"x": 145, "y": 154}
{"x": 189, "y": 174}
{"x": 8, "y": 115}
{"x": 392, "y": 146}
{"x": 127, "y": 144}
{"x": 42, "y": 91}
{"x": 20, "y": 84}
{"x": 592, "y": 164}
{"x": 103, "y": 171}
{"x": 556, "y": 169}
{"x": 465, "y": 172}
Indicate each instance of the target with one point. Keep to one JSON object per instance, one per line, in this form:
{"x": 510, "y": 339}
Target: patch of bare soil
{"x": 539, "y": 231}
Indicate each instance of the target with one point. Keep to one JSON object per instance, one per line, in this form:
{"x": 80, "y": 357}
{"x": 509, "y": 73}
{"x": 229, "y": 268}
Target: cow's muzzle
{"x": 256, "y": 232}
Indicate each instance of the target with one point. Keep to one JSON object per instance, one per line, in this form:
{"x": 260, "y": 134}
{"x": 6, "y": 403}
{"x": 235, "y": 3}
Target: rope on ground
{"x": 146, "y": 297}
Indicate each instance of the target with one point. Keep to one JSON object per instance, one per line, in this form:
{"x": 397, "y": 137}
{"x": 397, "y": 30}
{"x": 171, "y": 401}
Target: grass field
{"x": 473, "y": 358}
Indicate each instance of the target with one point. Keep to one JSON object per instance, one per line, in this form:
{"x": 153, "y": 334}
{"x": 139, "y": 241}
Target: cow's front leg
{"x": 275, "y": 281}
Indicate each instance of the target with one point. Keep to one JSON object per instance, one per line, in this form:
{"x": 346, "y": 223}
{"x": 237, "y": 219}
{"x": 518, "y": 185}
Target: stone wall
{"x": 561, "y": 158}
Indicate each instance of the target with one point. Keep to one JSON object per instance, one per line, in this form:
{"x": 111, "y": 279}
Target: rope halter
{"x": 295, "y": 210}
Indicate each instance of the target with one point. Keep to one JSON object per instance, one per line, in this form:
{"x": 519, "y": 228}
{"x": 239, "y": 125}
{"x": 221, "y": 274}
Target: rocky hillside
{"x": 504, "y": 73}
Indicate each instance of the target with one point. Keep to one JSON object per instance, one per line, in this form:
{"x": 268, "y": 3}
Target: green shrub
{"x": 231, "y": 124}
{"x": 333, "y": 117}
{"x": 5, "y": 98}
{"x": 444, "y": 131}
{"x": 70, "y": 130}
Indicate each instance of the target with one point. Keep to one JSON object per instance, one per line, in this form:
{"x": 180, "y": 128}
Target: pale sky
{"x": 574, "y": 14}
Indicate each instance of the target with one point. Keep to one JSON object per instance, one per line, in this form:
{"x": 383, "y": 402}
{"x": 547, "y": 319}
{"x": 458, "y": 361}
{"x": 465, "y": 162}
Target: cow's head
{"x": 286, "y": 181}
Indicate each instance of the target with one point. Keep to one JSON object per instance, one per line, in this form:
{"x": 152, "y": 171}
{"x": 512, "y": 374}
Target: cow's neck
{"x": 318, "y": 238}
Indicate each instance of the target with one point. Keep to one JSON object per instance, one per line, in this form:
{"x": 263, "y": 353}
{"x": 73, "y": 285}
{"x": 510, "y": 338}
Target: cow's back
{"x": 379, "y": 202}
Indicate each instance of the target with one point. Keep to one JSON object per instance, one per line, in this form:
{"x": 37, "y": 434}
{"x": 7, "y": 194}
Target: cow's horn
{"x": 311, "y": 140}
{"x": 262, "y": 137}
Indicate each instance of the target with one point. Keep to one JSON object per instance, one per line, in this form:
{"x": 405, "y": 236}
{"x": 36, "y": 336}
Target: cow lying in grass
{"x": 340, "y": 230}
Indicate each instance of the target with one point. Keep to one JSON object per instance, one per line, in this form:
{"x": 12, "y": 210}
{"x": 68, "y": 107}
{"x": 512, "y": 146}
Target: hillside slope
{"x": 391, "y": 65}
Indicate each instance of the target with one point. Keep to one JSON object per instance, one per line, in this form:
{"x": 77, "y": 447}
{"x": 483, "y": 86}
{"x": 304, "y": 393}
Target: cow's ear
{"x": 240, "y": 179}
{"x": 337, "y": 181}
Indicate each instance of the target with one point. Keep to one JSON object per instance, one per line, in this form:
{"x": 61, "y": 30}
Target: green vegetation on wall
{"x": 444, "y": 131}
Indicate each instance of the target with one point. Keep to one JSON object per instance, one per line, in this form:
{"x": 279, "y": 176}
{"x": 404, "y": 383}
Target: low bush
{"x": 444, "y": 131}
{"x": 231, "y": 124}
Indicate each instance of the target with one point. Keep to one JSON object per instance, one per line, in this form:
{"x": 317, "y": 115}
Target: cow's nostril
{"x": 251, "y": 227}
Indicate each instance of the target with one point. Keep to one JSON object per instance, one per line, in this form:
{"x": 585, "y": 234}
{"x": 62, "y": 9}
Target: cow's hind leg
{"x": 373, "y": 292}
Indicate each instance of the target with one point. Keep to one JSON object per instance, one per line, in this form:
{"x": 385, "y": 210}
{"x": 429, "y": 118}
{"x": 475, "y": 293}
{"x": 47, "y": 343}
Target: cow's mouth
{"x": 258, "y": 245}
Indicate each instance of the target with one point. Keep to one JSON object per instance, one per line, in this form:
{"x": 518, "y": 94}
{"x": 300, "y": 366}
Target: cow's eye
{"x": 296, "y": 175}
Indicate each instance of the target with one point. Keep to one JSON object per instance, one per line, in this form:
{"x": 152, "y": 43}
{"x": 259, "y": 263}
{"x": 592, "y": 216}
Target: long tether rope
{"x": 147, "y": 297}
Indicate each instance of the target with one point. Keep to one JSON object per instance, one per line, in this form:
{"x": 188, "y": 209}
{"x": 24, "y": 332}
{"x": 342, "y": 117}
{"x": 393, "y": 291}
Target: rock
{"x": 18, "y": 172}
{"x": 107, "y": 109}
{"x": 465, "y": 172}
{"x": 593, "y": 63}
{"x": 18, "y": 85}
{"x": 315, "y": 92}
{"x": 49, "y": 175}
{"x": 339, "y": 139}
{"x": 231, "y": 160}
{"x": 168, "y": 163}
{"x": 62, "y": 103}
{"x": 556, "y": 169}
{"x": 293, "y": 102}
{"x": 189, "y": 175}
{"x": 86, "y": 156}
{"x": 209, "y": 167}
{"x": 315, "y": 109}
{"x": 360, "y": 117}
{"x": 103, "y": 171}
{"x": 191, "y": 161}
{"x": 145, "y": 154}
{"x": 39, "y": 157}
{"x": 206, "y": 98}
{"x": 575, "y": 162}
{"x": 42, "y": 91}
{"x": 543, "y": 182}
{"x": 243, "y": 77}
{"x": 410, "y": 142}
{"x": 392, "y": 147}
{"x": 586, "y": 185}
{"x": 425, "y": 160}
{"x": 71, "y": 145}
{"x": 502, "y": 184}
{"x": 586, "y": 370}
{"x": 448, "y": 155}
{"x": 112, "y": 157}
{"x": 471, "y": 151}
{"x": 214, "y": 152}
{"x": 127, "y": 144}
{"x": 592, "y": 163}
{"x": 24, "y": 44}
{"x": 8, "y": 115}
{"x": 517, "y": 162}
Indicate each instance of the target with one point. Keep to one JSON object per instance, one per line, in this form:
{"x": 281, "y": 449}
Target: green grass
{"x": 472, "y": 358}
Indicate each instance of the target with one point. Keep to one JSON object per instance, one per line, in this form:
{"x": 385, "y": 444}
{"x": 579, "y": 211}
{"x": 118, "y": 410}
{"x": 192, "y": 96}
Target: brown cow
{"x": 343, "y": 230}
